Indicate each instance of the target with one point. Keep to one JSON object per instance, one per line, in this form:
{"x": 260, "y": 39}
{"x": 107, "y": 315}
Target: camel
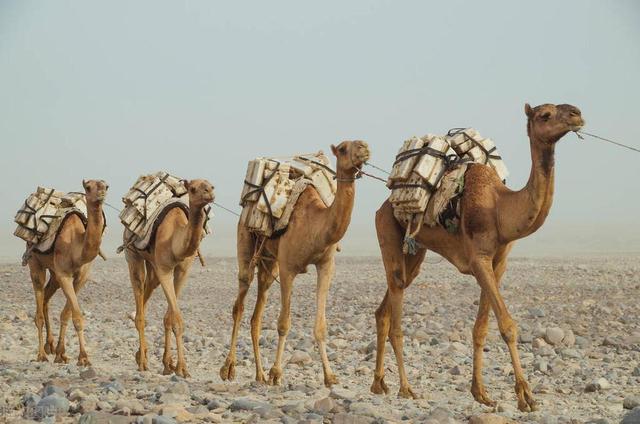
{"x": 493, "y": 217}
{"x": 311, "y": 238}
{"x": 68, "y": 263}
{"x": 167, "y": 262}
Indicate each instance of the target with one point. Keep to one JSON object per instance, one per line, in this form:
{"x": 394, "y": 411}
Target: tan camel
{"x": 311, "y": 238}
{"x": 68, "y": 263}
{"x": 167, "y": 263}
{"x": 493, "y": 217}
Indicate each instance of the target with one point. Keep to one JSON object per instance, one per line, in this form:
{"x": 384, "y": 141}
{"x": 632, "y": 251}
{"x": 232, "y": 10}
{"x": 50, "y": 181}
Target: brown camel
{"x": 68, "y": 263}
{"x": 167, "y": 263}
{"x": 493, "y": 217}
{"x": 311, "y": 238}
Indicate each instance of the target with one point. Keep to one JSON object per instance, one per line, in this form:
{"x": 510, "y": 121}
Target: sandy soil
{"x": 588, "y": 308}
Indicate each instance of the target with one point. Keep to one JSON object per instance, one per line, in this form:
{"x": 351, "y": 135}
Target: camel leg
{"x": 480, "y": 330}
{"x": 180, "y": 274}
{"x": 38, "y": 276}
{"x": 284, "y": 324}
{"x": 65, "y": 314}
{"x": 49, "y": 290}
{"x": 483, "y": 271}
{"x": 400, "y": 271}
{"x": 326, "y": 271}
{"x": 78, "y": 284}
{"x": 137, "y": 275}
{"x": 67, "y": 285}
{"x": 266, "y": 274}
{"x": 167, "y": 357}
{"x": 173, "y": 321}
{"x": 246, "y": 269}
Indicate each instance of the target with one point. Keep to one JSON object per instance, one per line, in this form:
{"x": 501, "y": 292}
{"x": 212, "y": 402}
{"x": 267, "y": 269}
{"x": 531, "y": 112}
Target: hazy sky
{"x": 111, "y": 90}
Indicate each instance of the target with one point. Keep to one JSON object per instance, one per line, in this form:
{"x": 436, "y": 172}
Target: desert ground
{"x": 579, "y": 321}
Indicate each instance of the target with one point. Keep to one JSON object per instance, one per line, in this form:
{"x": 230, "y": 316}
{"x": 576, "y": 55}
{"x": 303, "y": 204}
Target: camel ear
{"x": 334, "y": 150}
{"x": 186, "y": 184}
{"x": 528, "y": 110}
{"x": 84, "y": 184}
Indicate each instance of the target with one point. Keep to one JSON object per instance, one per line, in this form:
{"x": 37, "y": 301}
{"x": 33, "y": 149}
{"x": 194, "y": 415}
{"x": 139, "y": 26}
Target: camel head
{"x": 350, "y": 155}
{"x": 200, "y": 193}
{"x": 95, "y": 191}
{"x": 548, "y": 123}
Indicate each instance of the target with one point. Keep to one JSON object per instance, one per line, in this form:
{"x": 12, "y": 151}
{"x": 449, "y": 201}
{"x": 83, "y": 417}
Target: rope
{"x": 578, "y": 133}
{"x": 112, "y": 207}
{"x": 361, "y": 172}
{"x": 376, "y": 167}
{"x": 226, "y": 209}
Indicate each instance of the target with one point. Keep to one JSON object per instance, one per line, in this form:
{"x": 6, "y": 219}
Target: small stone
{"x": 636, "y": 372}
{"x": 88, "y": 374}
{"x": 536, "y": 312}
{"x": 526, "y": 338}
{"x": 455, "y": 370}
{"x": 21, "y": 316}
{"x": 488, "y": 419}
{"x": 300, "y": 357}
{"x": 569, "y": 338}
{"x": 29, "y": 400}
{"x": 420, "y": 335}
{"x": 597, "y": 385}
{"x": 181, "y": 388}
{"x": 245, "y": 404}
{"x": 76, "y": 395}
{"x": 363, "y": 408}
{"x": 538, "y": 343}
{"x": 323, "y": 406}
{"x": 631, "y": 402}
{"x": 213, "y": 404}
{"x": 554, "y": 335}
{"x": 50, "y": 389}
{"x": 343, "y": 418}
{"x": 541, "y": 365}
{"x": 340, "y": 393}
{"x": 161, "y": 419}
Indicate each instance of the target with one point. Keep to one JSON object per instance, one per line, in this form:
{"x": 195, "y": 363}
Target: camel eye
{"x": 545, "y": 116}
{"x": 342, "y": 149}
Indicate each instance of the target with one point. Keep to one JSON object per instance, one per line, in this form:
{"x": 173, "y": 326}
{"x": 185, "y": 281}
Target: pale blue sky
{"x": 115, "y": 89}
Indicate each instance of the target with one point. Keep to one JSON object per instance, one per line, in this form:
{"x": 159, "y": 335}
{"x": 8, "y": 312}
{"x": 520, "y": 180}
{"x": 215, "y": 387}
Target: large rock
{"x": 554, "y": 335}
{"x": 631, "y": 402}
{"x": 300, "y": 357}
{"x": 324, "y": 406}
{"x": 632, "y": 417}
{"x": 52, "y": 405}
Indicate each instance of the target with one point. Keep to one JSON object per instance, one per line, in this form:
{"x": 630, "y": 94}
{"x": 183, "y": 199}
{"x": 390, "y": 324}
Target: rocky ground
{"x": 579, "y": 341}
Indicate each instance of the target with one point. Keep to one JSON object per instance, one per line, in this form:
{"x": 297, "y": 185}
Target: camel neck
{"x": 339, "y": 213}
{"x": 190, "y": 235}
{"x": 528, "y": 208}
{"x": 93, "y": 233}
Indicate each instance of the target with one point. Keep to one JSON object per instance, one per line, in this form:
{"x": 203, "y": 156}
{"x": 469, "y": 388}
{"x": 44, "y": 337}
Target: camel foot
{"x": 407, "y": 393}
{"x": 379, "y": 387}
{"x": 330, "y": 379}
{"x": 275, "y": 376}
{"x": 168, "y": 369}
{"x": 181, "y": 371}
{"x": 42, "y": 357}
{"x": 48, "y": 347}
{"x": 526, "y": 403}
{"x": 61, "y": 358}
{"x": 141, "y": 360}
{"x": 83, "y": 360}
{"x": 228, "y": 370}
{"x": 261, "y": 377}
{"x": 481, "y": 396}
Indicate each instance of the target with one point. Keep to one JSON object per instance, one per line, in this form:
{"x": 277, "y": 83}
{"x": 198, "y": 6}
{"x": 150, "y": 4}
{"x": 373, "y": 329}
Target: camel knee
{"x": 167, "y": 321}
{"x": 283, "y": 327}
{"x": 78, "y": 323}
{"x": 178, "y": 323}
{"x": 320, "y": 332}
{"x": 480, "y": 331}
{"x": 139, "y": 322}
{"x": 509, "y": 332}
{"x": 39, "y": 319}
